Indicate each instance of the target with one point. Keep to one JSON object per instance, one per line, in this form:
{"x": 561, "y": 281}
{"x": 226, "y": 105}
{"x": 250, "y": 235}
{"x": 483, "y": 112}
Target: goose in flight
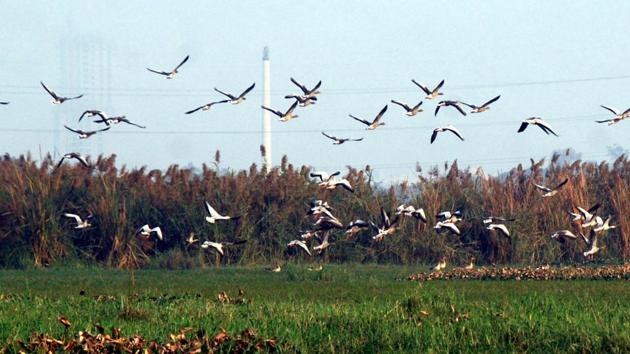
{"x": 191, "y": 240}
{"x": 214, "y": 215}
{"x": 219, "y": 245}
{"x": 324, "y": 177}
{"x": 387, "y": 227}
{"x": 448, "y": 225}
{"x": 374, "y": 123}
{"x": 431, "y": 94}
{"x": 307, "y": 93}
{"x": 76, "y": 156}
{"x": 303, "y": 101}
{"x": 549, "y": 192}
{"x": 356, "y": 226}
{"x": 236, "y": 99}
{"x": 325, "y": 223}
{"x": 58, "y": 99}
{"x": 145, "y": 231}
{"x": 206, "y": 106}
{"x": 447, "y": 216}
{"x": 318, "y": 207}
{"x": 339, "y": 141}
{"x": 449, "y": 128}
{"x": 92, "y": 113}
{"x": 323, "y": 243}
{"x": 447, "y": 103}
{"x": 411, "y": 111}
{"x": 86, "y": 134}
{"x": 592, "y": 242}
{"x": 583, "y": 214}
{"x": 118, "y": 120}
{"x": 171, "y": 74}
{"x": 81, "y": 224}
{"x": 410, "y": 210}
{"x": 300, "y": 244}
{"x": 333, "y": 183}
{"x": 537, "y": 122}
{"x": 604, "y": 226}
{"x": 563, "y": 235}
{"x": 619, "y": 116}
{"x": 284, "y": 116}
{"x": 484, "y": 107}
{"x": 501, "y": 228}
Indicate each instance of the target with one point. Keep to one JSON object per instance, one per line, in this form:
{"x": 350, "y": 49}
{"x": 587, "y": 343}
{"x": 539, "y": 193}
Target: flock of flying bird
{"x": 325, "y": 221}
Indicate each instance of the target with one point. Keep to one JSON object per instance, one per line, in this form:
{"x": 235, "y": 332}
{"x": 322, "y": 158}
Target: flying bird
{"x": 145, "y": 231}
{"x": 307, "y": 92}
{"x": 236, "y": 99}
{"x": 76, "y": 156}
{"x": 81, "y": 224}
{"x": 118, "y": 120}
{"x": 284, "y": 116}
{"x": 387, "y": 226}
{"x": 550, "y": 192}
{"x": 431, "y": 94}
{"x": 447, "y": 216}
{"x": 411, "y": 111}
{"x": 583, "y": 214}
{"x": 339, "y": 141}
{"x": 303, "y": 101}
{"x": 171, "y": 74}
{"x": 537, "y": 122}
{"x": 219, "y": 245}
{"x": 592, "y": 242}
{"x": 501, "y": 228}
{"x": 447, "y": 103}
{"x": 86, "y": 134}
{"x": 619, "y": 116}
{"x": 324, "y": 176}
{"x": 484, "y": 107}
{"x": 356, "y": 226}
{"x": 92, "y": 113}
{"x": 374, "y": 123}
{"x": 206, "y": 106}
{"x": 563, "y": 235}
{"x": 323, "y": 243}
{"x": 300, "y": 244}
{"x": 214, "y": 215}
{"x": 448, "y": 225}
{"x": 58, "y": 99}
{"x": 605, "y": 226}
{"x": 449, "y": 128}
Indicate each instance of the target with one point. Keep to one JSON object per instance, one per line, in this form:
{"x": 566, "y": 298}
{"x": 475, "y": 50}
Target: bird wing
{"x": 302, "y": 87}
{"x": 74, "y": 131}
{"x": 379, "y": 115}
{"x": 292, "y": 108}
{"x": 503, "y": 229}
{"x": 454, "y": 130}
{"x": 315, "y": 87}
{"x": 182, "y": 63}
{"x": 102, "y": 130}
{"x": 50, "y": 92}
{"x": 437, "y": 109}
{"x": 158, "y": 231}
{"x": 561, "y": 184}
{"x": 74, "y": 216}
{"x": 612, "y": 110}
{"x": 232, "y": 97}
{"x": 60, "y": 162}
{"x": 158, "y": 72}
{"x": 195, "y": 110}
{"x": 247, "y": 90}
{"x": 434, "y": 134}
{"x": 132, "y": 123}
{"x": 594, "y": 208}
{"x": 458, "y": 108}
{"x": 384, "y": 218}
{"x": 360, "y": 120}
{"x": 468, "y": 105}
{"x": 329, "y": 136}
{"x": 345, "y": 184}
{"x": 323, "y": 176}
{"x": 542, "y": 188}
{"x": 304, "y": 247}
{"x": 75, "y": 97}
{"x": 402, "y": 104}
{"x": 81, "y": 160}
{"x": 523, "y": 126}
{"x": 491, "y": 101}
{"x": 451, "y": 226}
{"x": 439, "y": 86}
{"x": 422, "y": 87}
{"x": 278, "y": 113}
{"x": 545, "y": 127}
{"x": 211, "y": 210}
{"x": 359, "y": 139}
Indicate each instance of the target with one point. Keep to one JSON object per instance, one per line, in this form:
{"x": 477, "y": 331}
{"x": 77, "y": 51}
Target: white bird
{"x": 339, "y": 141}
{"x": 431, "y": 94}
{"x": 284, "y": 116}
{"x": 484, "y": 107}
{"x": 206, "y": 106}
{"x": 592, "y": 242}
{"x": 81, "y": 224}
{"x": 146, "y": 231}
{"x": 471, "y": 264}
{"x": 454, "y": 104}
{"x": 410, "y": 111}
{"x": 332, "y": 184}
{"x": 563, "y": 235}
{"x": 550, "y": 192}
{"x": 300, "y": 244}
{"x": 386, "y": 227}
{"x": 219, "y": 245}
{"x": 56, "y": 98}
{"x": 191, "y": 240}
{"x": 410, "y": 210}
{"x": 596, "y": 221}
{"x": 605, "y": 226}
{"x": 307, "y": 92}
{"x": 449, "y": 128}
{"x": 323, "y": 175}
{"x": 375, "y": 123}
{"x": 323, "y": 243}
{"x": 619, "y": 116}
{"x": 76, "y": 156}
{"x": 439, "y": 226}
{"x": 583, "y": 214}
{"x": 537, "y": 122}
{"x": 170, "y": 74}
{"x": 214, "y": 215}
{"x": 85, "y": 134}
{"x": 501, "y": 228}
{"x": 236, "y": 99}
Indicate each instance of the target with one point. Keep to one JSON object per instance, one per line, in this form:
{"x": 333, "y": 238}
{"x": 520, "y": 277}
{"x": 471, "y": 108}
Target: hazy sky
{"x": 555, "y": 59}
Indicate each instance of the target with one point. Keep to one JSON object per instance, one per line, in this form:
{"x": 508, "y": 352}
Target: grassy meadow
{"x": 343, "y": 308}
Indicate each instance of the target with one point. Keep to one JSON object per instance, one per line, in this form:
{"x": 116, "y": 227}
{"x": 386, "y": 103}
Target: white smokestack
{"x": 266, "y": 114}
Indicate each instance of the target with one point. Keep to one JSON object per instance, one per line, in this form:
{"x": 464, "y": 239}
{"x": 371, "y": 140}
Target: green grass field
{"x": 344, "y": 308}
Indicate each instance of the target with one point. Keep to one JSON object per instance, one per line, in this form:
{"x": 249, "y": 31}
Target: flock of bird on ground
{"x": 324, "y": 220}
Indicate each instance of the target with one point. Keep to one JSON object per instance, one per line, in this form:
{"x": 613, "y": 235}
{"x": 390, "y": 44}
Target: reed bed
{"x": 34, "y": 196}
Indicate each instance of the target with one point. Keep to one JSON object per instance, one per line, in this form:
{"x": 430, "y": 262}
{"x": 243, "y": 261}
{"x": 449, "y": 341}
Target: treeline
{"x": 34, "y": 197}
